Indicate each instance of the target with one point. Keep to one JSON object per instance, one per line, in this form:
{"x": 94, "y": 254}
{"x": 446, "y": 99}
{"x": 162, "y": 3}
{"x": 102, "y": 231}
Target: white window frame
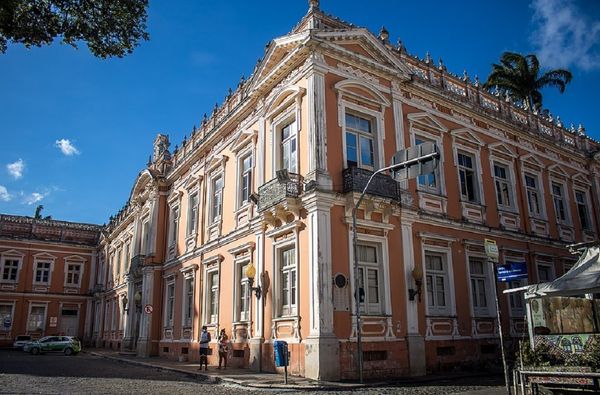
{"x": 360, "y": 135}
{"x": 36, "y": 262}
{"x": 192, "y": 216}
{"x": 546, "y": 265}
{"x": 242, "y": 291}
{"x": 127, "y": 255}
{"x": 118, "y": 262}
{"x": 215, "y": 196}
{"x": 291, "y": 308}
{"x": 43, "y": 321}
{"x": 539, "y": 190}
{"x": 106, "y": 316}
{"x": 514, "y": 310}
{"x": 488, "y": 285}
{"x": 378, "y": 132}
{"x": 369, "y": 307}
{"x": 188, "y": 301}
{"x": 287, "y": 117}
{"x": 381, "y": 244}
{"x": 476, "y": 170}
{"x": 80, "y": 266}
{"x": 212, "y": 296}
{"x": 145, "y": 236}
{"x": 114, "y": 304}
{"x": 446, "y": 253}
{"x": 586, "y": 206}
{"x": 9, "y": 316}
{"x": 170, "y": 301}
{"x": 508, "y": 183}
{"x": 565, "y": 201}
{"x": 173, "y": 224}
{"x": 439, "y": 189}
{"x": 10, "y": 256}
{"x": 241, "y": 199}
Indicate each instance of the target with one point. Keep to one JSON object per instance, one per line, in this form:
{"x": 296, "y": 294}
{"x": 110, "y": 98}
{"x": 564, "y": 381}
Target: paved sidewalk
{"x": 249, "y": 378}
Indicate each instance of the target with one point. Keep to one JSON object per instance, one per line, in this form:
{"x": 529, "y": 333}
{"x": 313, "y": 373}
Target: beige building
{"x": 331, "y": 103}
{"x": 47, "y": 271}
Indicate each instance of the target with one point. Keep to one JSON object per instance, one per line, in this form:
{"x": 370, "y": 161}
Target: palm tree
{"x": 519, "y": 77}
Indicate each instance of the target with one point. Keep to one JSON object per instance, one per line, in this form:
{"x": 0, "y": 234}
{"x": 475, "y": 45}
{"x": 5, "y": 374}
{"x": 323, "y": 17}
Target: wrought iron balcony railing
{"x": 355, "y": 180}
{"x": 275, "y": 191}
{"x": 137, "y": 262}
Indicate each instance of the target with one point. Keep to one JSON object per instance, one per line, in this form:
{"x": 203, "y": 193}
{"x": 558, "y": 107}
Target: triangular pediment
{"x": 44, "y": 255}
{"x": 467, "y": 136}
{"x": 75, "y": 258}
{"x": 581, "y": 179}
{"x": 425, "y": 121}
{"x": 531, "y": 159}
{"x": 362, "y": 46}
{"x": 12, "y": 253}
{"x": 244, "y": 138}
{"x": 502, "y": 149}
{"x": 558, "y": 170}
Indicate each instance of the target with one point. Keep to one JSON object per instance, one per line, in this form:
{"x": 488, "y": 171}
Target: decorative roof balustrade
{"x": 20, "y": 227}
{"x": 275, "y": 191}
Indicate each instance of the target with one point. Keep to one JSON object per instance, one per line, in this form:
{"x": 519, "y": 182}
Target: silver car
{"x": 21, "y": 340}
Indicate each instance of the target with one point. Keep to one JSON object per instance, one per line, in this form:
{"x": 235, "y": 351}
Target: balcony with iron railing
{"x": 355, "y": 180}
{"x": 276, "y": 191}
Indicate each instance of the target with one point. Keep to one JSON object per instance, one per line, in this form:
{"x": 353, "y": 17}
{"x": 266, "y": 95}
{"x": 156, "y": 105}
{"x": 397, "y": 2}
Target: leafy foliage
{"x": 543, "y": 356}
{"x": 109, "y": 27}
{"x": 519, "y": 77}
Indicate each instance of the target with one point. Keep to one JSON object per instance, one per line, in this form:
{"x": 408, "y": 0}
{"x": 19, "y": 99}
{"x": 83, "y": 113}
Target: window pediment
{"x": 216, "y": 161}
{"x": 362, "y": 91}
{"x": 532, "y": 160}
{"x": 503, "y": 150}
{"x": 558, "y": 170}
{"x": 426, "y": 122}
{"x": 244, "y": 138}
{"x": 44, "y": 256}
{"x": 75, "y": 258}
{"x": 467, "y": 137}
{"x": 12, "y": 254}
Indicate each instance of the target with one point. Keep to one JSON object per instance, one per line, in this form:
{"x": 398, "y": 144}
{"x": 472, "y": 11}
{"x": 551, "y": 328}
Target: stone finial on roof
{"x": 465, "y": 76}
{"x": 559, "y": 122}
{"x": 581, "y": 130}
{"x": 441, "y": 65}
{"x": 400, "y": 47}
{"x": 384, "y": 35}
{"x": 428, "y": 58}
{"x": 313, "y": 5}
{"x": 476, "y": 81}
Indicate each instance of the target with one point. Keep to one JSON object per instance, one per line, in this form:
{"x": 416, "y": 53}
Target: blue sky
{"x": 76, "y": 130}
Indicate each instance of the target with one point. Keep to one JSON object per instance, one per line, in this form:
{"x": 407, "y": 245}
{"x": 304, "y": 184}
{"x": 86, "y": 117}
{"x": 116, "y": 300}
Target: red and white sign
{"x": 148, "y": 309}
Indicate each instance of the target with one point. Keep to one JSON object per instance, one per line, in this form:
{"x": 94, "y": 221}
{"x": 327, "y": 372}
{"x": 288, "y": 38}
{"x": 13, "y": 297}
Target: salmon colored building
{"x": 331, "y": 103}
{"x": 46, "y": 269}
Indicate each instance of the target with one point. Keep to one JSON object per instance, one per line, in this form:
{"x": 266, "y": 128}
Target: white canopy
{"x": 583, "y": 278}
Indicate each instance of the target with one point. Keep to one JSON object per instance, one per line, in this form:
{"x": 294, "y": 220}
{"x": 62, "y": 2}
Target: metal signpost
{"x": 491, "y": 249}
{"x": 408, "y": 163}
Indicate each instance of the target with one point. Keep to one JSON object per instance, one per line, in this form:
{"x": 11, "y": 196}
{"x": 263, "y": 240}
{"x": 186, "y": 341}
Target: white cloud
{"x": 34, "y": 197}
{"x": 4, "y": 195}
{"x": 565, "y": 36}
{"x": 67, "y": 147}
{"x": 15, "y": 169}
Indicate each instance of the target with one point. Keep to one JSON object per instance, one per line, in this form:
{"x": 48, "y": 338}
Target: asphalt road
{"x": 22, "y": 373}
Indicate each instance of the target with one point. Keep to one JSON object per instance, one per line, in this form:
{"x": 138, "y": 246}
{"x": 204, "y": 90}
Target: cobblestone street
{"x": 22, "y": 373}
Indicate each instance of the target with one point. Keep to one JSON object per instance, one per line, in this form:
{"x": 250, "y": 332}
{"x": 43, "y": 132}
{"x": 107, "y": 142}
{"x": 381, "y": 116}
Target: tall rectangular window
{"x": 558, "y": 196}
{"x": 145, "y": 237}
{"x": 478, "y": 269}
{"x": 245, "y": 179}
{"x": 36, "y": 319}
{"x": 42, "y": 272}
{"x": 189, "y": 302}
{"x": 170, "y": 303}
{"x": 369, "y": 284}
{"x": 213, "y": 297}
{"x": 503, "y": 185}
{"x": 216, "y": 208}
{"x": 73, "y": 274}
{"x": 359, "y": 142}
{"x": 6, "y": 315}
{"x": 517, "y": 299}
{"x": 545, "y": 273}
{"x": 114, "y": 315}
{"x": 244, "y": 293}
{"x": 533, "y": 195}
{"x": 427, "y": 181}
{"x": 289, "y": 148}
{"x": 127, "y": 252}
{"x": 288, "y": 276}
{"x": 174, "y": 226}
{"x": 118, "y": 262}
{"x": 10, "y": 270}
{"x": 437, "y": 283}
{"x": 582, "y": 210}
{"x": 466, "y": 173}
{"x": 192, "y": 214}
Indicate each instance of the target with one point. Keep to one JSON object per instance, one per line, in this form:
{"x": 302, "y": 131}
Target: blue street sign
{"x": 512, "y": 271}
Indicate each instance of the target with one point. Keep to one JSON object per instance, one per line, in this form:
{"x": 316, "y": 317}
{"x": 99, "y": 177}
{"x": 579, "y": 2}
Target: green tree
{"x": 109, "y": 27}
{"x": 520, "y": 77}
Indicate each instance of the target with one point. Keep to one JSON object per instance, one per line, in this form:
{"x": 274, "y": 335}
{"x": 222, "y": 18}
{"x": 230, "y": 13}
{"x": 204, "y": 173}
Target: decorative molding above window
{"x": 467, "y": 137}
{"x": 246, "y": 247}
{"x": 213, "y": 260}
{"x": 216, "y": 161}
{"x": 425, "y": 122}
{"x": 189, "y": 271}
{"x": 244, "y": 138}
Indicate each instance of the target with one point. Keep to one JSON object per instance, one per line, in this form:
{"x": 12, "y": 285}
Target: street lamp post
{"x": 395, "y": 166}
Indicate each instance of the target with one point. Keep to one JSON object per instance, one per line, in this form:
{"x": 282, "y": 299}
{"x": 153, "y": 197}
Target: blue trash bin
{"x": 280, "y": 348}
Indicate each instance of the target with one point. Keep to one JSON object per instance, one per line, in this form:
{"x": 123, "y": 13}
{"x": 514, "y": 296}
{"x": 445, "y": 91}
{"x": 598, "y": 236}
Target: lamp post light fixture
{"x": 124, "y": 303}
{"x": 137, "y": 297}
{"x": 251, "y": 275}
{"x": 417, "y": 275}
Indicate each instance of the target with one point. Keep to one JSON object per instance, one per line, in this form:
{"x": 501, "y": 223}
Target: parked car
{"x": 21, "y": 340}
{"x": 67, "y": 344}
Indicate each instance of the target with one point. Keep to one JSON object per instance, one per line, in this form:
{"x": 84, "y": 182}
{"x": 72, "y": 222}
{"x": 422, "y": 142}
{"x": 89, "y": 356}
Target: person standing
{"x": 223, "y": 339}
{"x": 204, "y": 341}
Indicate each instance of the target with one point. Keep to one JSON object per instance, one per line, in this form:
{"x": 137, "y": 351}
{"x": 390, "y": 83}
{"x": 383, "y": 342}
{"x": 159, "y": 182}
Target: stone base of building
{"x": 321, "y": 358}
{"x": 416, "y": 355}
